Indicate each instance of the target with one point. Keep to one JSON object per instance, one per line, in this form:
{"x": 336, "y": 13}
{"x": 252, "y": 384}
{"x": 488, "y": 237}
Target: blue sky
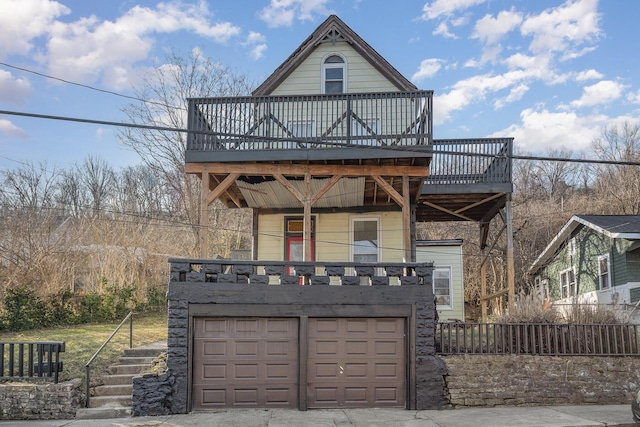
{"x": 550, "y": 73}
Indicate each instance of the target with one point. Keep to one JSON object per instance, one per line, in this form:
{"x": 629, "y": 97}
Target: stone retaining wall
{"x": 540, "y": 380}
{"x": 31, "y": 401}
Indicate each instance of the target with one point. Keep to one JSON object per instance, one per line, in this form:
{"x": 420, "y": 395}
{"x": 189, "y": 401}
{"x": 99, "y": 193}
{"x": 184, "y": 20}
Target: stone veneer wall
{"x": 40, "y": 401}
{"x": 191, "y": 295}
{"x": 519, "y": 380}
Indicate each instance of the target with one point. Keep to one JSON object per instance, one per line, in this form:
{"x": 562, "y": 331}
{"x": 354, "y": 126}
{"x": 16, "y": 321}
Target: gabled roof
{"x": 613, "y": 226}
{"x": 333, "y": 30}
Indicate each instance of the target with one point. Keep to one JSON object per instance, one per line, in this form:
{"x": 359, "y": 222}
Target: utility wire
{"x": 405, "y": 148}
{"x": 89, "y": 87}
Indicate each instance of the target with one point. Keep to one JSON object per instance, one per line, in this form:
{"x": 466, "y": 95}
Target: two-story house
{"x": 334, "y": 153}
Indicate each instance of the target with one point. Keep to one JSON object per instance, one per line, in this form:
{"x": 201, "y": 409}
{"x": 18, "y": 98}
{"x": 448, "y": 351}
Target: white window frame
{"x": 542, "y": 286}
{"x": 572, "y": 246}
{"x": 571, "y": 287}
{"x": 352, "y": 222}
{"x": 449, "y": 272}
{"x": 607, "y": 274}
{"x": 325, "y": 66}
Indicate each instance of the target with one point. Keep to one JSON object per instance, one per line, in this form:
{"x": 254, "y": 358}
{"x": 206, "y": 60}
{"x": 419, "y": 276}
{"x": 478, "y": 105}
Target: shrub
{"x": 23, "y": 310}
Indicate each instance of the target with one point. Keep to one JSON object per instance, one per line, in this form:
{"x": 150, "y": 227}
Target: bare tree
{"x": 167, "y": 89}
{"x": 619, "y": 184}
{"x": 98, "y": 179}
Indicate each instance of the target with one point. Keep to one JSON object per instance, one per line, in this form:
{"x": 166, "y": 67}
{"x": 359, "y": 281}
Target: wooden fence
{"x": 545, "y": 339}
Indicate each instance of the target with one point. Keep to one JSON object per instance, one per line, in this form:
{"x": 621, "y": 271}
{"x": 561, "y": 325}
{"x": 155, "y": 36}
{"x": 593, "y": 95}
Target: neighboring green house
{"x": 593, "y": 259}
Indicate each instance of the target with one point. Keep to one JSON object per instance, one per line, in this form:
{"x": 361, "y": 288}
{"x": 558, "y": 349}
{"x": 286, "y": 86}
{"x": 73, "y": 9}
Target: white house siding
{"x": 361, "y": 76}
{"x": 332, "y": 236}
{"x": 446, "y": 255}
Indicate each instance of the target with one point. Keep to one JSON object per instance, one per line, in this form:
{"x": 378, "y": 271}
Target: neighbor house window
{"x": 301, "y": 129}
{"x": 568, "y": 283}
{"x": 604, "y": 275}
{"x": 333, "y": 74}
{"x": 572, "y": 246}
{"x": 542, "y": 287}
{"x": 442, "y": 286}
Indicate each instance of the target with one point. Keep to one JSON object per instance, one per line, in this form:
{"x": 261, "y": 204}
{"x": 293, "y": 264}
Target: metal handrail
{"x": 88, "y": 365}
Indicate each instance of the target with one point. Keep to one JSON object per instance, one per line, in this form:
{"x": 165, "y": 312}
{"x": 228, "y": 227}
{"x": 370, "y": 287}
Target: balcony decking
{"x": 390, "y": 133}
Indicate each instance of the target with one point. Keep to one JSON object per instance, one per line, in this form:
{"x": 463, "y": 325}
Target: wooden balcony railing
{"x": 471, "y": 161}
{"x": 543, "y": 339}
{"x": 388, "y": 119}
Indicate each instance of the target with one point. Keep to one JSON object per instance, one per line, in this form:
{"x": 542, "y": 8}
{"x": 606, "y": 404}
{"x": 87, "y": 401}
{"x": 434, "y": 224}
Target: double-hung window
{"x": 442, "y": 286}
{"x": 604, "y": 276}
{"x": 568, "y": 283}
{"x": 333, "y": 74}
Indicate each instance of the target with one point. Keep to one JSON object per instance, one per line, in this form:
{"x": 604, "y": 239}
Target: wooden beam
{"x": 494, "y": 295}
{"x": 230, "y": 195}
{"x": 326, "y": 187}
{"x": 397, "y": 197}
{"x": 483, "y": 290}
{"x": 256, "y": 169}
{"x": 221, "y": 188}
{"x": 306, "y": 227}
{"x": 203, "y": 232}
{"x": 290, "y": 188}
{"x": 406, "y": 218}
{"x": 440, "y": 208}
{"x": 511, "y": 282}
{"x": 473, "y": 205}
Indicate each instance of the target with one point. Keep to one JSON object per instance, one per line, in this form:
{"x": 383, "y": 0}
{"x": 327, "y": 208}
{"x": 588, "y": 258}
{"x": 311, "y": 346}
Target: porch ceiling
{"x": 459, "y": 207}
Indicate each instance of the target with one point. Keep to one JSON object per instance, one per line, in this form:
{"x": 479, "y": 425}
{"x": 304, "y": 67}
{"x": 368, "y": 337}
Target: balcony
{"x": 310, "y": 127}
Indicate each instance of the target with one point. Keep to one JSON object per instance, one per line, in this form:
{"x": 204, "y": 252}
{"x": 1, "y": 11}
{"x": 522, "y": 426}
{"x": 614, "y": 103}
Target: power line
{"x": 26, "y": 70}
{"x": 405, "y": 148}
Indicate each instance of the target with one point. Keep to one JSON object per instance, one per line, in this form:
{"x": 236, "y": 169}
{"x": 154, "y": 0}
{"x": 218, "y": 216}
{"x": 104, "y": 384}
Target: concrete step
{"x": 118, "y": 379}
{"x": 113, "y": 390}
{"x": 127, "y": 369}
{"x": 149, "y": 350}
{"x": 103, "y": 412}
{"x": 136, "y": 360}
{"x": 110, "y": 401}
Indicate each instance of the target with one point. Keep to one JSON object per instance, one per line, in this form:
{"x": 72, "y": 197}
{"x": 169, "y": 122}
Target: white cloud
{"x": 283, "y": 12}
{"x": 443, "y": 30}
{"x": 21, "y": 21}
{"x": 634, "y": 97}
{"x": 256, "y": 42}
{"x": 81, "y": 50}
{"x": 600, "y": 93}
{"x": 543, "y": 130}
{"x": 588, "y": 75}
{"x": 428, "y": 68}
{"x": 8, "y": 128}
{"x": 12, "y": 89}
{"x": 564, "y": 28}
{"x": 490, "y": 30}
{"x": 439, "y": 8}
{"x": 515, "y": 94}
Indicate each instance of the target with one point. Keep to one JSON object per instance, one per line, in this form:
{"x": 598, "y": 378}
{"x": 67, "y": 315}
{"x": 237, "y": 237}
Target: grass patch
{"x": 82, "y": 341}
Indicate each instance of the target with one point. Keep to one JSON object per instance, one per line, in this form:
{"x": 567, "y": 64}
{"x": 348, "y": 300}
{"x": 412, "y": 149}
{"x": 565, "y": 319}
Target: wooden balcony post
{"x": 510, "y": 261}
{"x": 204, "y": 216}
{"x": 306, "y": 230}
{"x": 484, "y": 302}
{"x": 406, "y": 219}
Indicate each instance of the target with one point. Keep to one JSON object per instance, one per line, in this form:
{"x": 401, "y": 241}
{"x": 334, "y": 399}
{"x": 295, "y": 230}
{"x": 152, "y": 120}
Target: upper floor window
{"x": 604, "y": 278}
{"x": 333, "y": 74}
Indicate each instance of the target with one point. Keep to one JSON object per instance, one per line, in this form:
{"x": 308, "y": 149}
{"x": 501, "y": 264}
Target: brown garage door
{"x": 245, "y": 362}
{"x": 356, "y": 363}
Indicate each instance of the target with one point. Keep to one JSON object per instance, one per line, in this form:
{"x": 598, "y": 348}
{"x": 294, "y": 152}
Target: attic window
{"x": 333, "y": 74}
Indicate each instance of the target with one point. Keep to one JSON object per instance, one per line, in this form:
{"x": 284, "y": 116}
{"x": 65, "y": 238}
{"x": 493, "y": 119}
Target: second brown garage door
{"x": 245, "y": 362}
{"x": 356, "y": 362}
